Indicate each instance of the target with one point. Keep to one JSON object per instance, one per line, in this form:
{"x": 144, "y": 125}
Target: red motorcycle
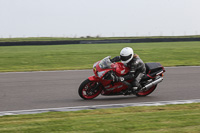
{"x": 102, "y": 83}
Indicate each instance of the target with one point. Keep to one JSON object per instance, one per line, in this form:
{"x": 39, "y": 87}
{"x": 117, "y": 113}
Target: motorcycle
{"x": 102, "y": 81}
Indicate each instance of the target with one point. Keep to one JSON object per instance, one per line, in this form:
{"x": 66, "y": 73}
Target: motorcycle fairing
{"x": 120, "y": 69}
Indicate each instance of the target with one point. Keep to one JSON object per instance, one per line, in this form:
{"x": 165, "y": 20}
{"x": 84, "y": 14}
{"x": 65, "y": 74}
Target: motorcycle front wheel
{"x": 89, "y": 89}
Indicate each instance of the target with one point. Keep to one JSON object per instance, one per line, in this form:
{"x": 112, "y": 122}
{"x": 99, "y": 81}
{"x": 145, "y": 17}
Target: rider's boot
{"x": 136, "y": 83}
{"x": 136, "y": 86}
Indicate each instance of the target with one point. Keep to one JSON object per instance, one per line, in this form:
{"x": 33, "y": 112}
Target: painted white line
{"x": 158, "y": 103}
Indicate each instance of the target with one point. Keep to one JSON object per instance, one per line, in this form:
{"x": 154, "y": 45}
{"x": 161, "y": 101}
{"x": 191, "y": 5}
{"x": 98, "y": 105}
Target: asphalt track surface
{"x": 55, "y": 89}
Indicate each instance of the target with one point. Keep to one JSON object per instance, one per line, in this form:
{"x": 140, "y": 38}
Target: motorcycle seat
{"x": 153, "y": 67}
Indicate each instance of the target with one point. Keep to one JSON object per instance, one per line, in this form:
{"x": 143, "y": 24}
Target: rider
{"x": 135, "y": 65}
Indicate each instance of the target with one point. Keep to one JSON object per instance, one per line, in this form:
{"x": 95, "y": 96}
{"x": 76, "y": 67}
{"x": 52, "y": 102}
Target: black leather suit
{"x": 137, "y": 69}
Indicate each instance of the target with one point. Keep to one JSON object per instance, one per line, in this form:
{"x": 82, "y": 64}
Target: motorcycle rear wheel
{"x": 146, "y": 92}
{"x": 87, "y": 91}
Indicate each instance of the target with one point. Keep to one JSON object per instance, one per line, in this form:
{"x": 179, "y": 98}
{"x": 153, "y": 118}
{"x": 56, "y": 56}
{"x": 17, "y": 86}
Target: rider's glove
{"x": 115, "y": 59}
{"x": 115, "y": 78}
{"x": 120, "y": 79}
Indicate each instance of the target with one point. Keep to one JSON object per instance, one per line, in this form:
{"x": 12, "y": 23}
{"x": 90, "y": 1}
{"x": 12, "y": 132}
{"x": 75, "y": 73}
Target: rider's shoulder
{"x": 136, "y": 56}
{"x": 136, "y": 59}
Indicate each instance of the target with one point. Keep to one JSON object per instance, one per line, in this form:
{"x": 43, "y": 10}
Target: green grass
{"x": 85, "y": 38}
{"x": 169, "y": 118}
{"x": 82, "y": 56}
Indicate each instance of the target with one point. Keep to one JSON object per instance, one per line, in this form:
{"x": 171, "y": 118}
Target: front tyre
{"x": 89, "y": 89}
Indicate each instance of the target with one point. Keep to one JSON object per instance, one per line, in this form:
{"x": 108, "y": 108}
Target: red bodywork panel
{"x": 119, "y": 69}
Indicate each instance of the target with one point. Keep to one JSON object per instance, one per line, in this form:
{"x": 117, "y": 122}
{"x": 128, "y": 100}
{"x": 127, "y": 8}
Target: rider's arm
{"x": 115, "y": 59}
{"x": 136, "y": 67}
{"x": 133, "y": 68}
{"x": 123, "y": 78}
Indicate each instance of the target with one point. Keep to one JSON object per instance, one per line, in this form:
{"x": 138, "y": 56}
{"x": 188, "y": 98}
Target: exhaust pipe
{"x": 153, "y": 83}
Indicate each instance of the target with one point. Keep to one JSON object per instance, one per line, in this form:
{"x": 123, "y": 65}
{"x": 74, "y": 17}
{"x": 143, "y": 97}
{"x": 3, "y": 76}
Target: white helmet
{"x": 126, "y": 55}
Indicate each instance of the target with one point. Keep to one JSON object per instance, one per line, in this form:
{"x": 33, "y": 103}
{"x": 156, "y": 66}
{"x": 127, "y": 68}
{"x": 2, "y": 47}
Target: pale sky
{"x": 75, "y": 18}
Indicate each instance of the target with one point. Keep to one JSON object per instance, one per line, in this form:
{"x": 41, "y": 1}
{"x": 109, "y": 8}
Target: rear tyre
{"x": 89, "y": 89}
{"x": 146, "y": 92}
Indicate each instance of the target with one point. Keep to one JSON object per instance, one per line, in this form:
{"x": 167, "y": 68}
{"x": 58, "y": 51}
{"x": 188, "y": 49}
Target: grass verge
{"x": 82, "y": 56}
{"x": 169, "y": 118}
{"x": 85, "y": 38}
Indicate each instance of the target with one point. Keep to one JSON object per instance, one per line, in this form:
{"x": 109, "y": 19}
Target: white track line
{"x": 158, "y": 103}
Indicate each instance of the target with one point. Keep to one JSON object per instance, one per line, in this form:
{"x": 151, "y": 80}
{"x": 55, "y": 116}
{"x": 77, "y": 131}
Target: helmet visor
{"x": 125, "y": 58}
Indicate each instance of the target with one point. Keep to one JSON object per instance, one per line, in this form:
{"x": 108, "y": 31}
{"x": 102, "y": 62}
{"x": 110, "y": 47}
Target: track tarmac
{"x": 55, "y": 89}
